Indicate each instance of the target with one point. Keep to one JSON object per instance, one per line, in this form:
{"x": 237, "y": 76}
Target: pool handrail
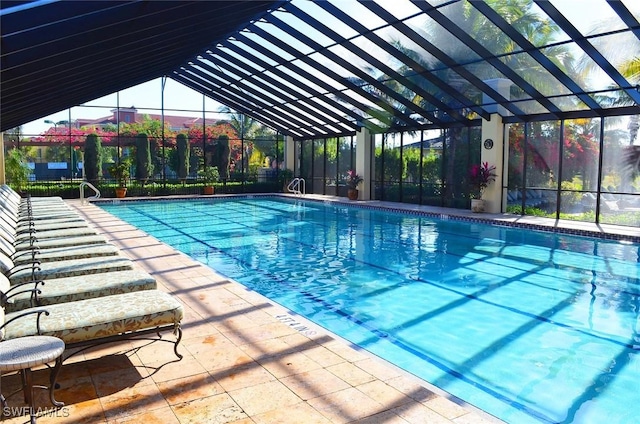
{"x": 91, "y": 186}
{"x": 295, "y": 184}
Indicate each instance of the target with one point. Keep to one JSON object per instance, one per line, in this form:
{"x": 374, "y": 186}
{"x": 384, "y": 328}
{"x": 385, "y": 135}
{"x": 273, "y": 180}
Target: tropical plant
{"x": 16, "y": 169}
{"x": 121, "y": 171}
{"x": 209, "y": 175}
{"x": 285, "y": 176}
{"x": 353, "y": 179}
{"x": 480, "y": 177}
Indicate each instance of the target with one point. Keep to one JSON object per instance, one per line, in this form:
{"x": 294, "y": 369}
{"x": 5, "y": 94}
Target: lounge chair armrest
{"x": 34, "y": 265}
{"x": 38, "y": 311}
{"x": 34, "y": 292}
{"x": 31, "y": 251}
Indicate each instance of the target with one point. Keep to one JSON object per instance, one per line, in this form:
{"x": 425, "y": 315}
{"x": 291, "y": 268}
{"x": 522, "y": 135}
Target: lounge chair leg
{"x": 53, "y": 384}
{"x": 178, "y": 338}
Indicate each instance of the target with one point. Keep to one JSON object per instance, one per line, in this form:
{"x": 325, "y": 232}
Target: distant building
{"x": 130, "y": 115}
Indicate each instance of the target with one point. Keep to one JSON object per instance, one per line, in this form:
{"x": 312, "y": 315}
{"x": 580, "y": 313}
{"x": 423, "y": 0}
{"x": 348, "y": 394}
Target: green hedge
{"x": 71, "y": 190}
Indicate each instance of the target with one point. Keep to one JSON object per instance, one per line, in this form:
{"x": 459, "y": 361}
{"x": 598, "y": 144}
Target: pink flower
{"x": 353, "y": 179}
{"x": 480, "y": 176}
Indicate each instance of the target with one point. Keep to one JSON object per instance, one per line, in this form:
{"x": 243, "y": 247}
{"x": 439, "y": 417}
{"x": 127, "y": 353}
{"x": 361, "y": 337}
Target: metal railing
{"x": 92, "y": 187}
{"x": 297, "y": 186}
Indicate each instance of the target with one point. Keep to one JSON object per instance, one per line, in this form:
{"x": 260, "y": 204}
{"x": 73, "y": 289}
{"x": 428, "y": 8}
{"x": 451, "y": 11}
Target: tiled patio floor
{"x": 246, "y": 360}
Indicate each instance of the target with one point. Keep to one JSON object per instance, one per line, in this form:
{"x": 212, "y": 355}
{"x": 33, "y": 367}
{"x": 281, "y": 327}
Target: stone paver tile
{"x": 476, "y": 418}
{"x": 386, "y": 417}
{"x": 298, "y": 339}
{"x": 156, "y": 416}
{"x": 185, "y": 389}
{"x": 264, "y": 397}
{"x": 88, "y": 412}
{"x": 255, "y": 333}
{"x": 347, "y": 351}
{"x": 410, "y": 387}
{"x": 346, "y": 405}
{"x": 218, "y": 409}
{"x": 446, "y": 407}
{"x": 239, "y": 377}
{"x": 323, "y": 356}
{"x": 383, "y": 393}
{"x": 351, "y": 373}
{"x": 70, "y": 371}
{"x": 75, "y": 391}
{"x": 285, "y": 365}
{"x": 205, "y": 344}
{"x": 159, "y": 351}
{"x": 263, "y": 349}
{"x": 109, "y": 351}
{"x": 379, "y": 368}
{"x": 417, "y": 413}
{"x": 314, "y": 383}
{"x": 243, "y": 421}
{"x": 295, "y": 414}
{"x": 227, "y": 323}
{"x": 107, "y": 383}
{"x": 166, "y": 371}
{"x": 132, "y": 400}
{"x": 216, "y": 352}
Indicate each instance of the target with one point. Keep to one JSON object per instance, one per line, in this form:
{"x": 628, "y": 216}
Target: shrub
{"x": 92, "y": 158}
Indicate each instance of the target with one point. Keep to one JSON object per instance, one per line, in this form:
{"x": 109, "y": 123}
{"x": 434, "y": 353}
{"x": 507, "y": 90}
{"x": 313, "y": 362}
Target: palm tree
{"x": 521, "y": 15}
{"x": 627, "y": 61}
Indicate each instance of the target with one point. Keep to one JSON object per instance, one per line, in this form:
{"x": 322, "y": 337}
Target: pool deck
{"x": 246, "y": 359}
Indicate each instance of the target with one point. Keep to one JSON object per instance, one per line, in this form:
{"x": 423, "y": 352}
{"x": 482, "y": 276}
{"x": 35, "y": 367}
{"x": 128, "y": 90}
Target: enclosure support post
{"x": 364, "y": 151}
{"x": 289, "y": 153}
{"x": 492, "y": 152}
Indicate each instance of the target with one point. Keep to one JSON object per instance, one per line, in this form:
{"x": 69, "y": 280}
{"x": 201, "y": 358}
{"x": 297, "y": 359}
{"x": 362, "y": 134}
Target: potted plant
{"x": 480, "y": 177}
{"x": 284, "y": 178}
{"x": 210, "y": 175}
{"x": 353, "y": 180}
{"x": 121, "y": 171}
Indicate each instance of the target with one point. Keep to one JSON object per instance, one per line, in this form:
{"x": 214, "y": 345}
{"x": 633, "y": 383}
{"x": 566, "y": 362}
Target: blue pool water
{"x": 529, "y": 326}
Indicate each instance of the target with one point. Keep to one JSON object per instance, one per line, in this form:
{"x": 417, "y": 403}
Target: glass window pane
{"x": 542, "y": 166}
{"x": 432, "y": 150}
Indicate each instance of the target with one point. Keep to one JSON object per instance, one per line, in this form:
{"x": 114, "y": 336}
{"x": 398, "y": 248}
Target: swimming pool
{"x": 528, "y": 326}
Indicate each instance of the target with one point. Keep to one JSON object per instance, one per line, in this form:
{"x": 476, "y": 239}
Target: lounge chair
{"x": 36, "y": 271}
{"x": 60, "y": 253}
{"x": 86, "y": 323}
{"x": 70, "y": 289}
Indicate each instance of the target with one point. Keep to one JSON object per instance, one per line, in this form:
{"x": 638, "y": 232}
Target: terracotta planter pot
{"x": 121, "y": 192}
{"x": 208, "y": 189}
{"x": 352, "y": 194}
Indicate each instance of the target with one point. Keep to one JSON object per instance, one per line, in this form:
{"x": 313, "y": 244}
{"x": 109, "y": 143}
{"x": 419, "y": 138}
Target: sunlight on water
{"x": 528, "y": 326}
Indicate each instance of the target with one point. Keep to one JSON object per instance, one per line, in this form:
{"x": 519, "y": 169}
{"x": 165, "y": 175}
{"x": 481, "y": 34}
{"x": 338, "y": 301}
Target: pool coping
{"x": 624, "y": 234}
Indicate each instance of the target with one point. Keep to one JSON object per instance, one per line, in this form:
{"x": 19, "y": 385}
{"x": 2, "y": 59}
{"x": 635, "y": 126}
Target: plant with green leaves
{"x": 93, "y": 158}
{"x": 210, "y": 175}
{"x": 121, "y": 171}
{"x": 144, "y": 166}
{"x": 182, "y": 145}
{"x": 16, "y": 169}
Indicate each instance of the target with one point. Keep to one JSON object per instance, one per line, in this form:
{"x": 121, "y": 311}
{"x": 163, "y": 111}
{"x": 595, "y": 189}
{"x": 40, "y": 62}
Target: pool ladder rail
{"x": 92, "y": 187}
{"x": 297, "y": 186}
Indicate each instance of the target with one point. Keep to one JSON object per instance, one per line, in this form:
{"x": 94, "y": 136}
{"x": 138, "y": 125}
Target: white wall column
{"x": 289, "y": 153}
{"x": 494, "y": 149}
{"x": 364, "y": 152}
{"x": 492, "y": 152}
